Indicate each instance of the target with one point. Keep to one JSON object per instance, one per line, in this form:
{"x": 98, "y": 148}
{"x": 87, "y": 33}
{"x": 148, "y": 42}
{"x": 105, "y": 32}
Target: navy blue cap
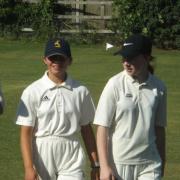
{"x": 57, "y": 46}
{"x": 135, "y": 45}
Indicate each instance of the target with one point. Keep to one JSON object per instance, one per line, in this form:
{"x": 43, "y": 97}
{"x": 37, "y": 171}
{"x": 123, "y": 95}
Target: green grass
{"x": 21, "y": 63}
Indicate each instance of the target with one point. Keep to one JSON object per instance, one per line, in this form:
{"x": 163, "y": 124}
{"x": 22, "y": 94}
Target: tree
{"x": 157, "y": 18}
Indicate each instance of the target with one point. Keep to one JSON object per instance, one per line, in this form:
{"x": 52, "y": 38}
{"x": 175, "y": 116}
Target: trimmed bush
{"x": 15, "y": 15}
{"x": 157, "y": 18}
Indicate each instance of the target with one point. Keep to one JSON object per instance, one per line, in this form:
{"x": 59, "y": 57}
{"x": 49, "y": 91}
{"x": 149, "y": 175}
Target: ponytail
{"x": 150, "y": 66}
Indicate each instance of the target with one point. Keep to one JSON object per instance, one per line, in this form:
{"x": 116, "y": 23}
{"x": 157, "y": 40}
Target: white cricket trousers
{"x": 147, "y": 171}
{"x": 58, "y": 158}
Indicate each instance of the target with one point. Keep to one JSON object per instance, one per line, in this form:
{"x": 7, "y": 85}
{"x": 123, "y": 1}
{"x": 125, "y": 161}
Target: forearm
{"x": 102, "y": 146}
{"x": 161, "y": 144}
{"x": 26, "y": 146}
{"x": 106, "y": 171}
{"x": 90, "y": 143}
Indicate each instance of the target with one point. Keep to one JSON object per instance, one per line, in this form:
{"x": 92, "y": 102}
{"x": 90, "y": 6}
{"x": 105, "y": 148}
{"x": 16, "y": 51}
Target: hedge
{"x": 157, "y": 18}
{"x": 160, "y": 19}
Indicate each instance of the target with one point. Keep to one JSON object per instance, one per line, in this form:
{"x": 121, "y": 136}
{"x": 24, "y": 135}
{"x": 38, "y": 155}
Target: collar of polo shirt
{"x": 51, "y": 85}
{"x": 148, "y": 81}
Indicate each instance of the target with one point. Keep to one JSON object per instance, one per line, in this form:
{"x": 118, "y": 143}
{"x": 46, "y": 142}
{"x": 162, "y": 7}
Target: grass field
{"x": 21, "y": 63}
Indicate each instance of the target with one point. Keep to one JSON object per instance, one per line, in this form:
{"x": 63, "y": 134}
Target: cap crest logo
{"x": 57, "y": 44}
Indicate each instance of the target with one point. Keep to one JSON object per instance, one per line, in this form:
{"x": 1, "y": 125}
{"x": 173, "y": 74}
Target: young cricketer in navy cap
{"x": 52, "y": 112}
{"x": 131, "y": 117}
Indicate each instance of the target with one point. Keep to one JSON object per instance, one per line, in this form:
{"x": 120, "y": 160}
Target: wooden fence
{"x": 89, "y": 16}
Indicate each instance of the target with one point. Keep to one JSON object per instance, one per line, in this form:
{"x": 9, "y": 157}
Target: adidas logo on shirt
{"x": 45, "y": 98}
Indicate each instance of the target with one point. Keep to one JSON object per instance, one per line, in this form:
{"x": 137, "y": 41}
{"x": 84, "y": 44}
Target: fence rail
{"x": 100, "y": 31}
{"x": 85, "y": 2}
{"x": 83, "y": 17}
{"x": 98, "y": 20}
{"x": 100, "y": 13}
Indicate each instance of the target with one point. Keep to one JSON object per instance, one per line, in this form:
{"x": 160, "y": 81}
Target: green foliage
{"x": 44, "y": 19}
{"x": 15, "y": 15}
{"x": 159, "y": 19}
{"x": 7, "y": 16}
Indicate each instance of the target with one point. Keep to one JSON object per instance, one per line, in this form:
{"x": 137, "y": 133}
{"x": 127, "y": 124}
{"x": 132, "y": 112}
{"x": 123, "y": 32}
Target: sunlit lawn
{"x": 21, "y": 63}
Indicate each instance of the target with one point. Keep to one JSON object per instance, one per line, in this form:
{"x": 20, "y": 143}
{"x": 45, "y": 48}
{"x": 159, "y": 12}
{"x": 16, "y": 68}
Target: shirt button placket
{"x": 59, "y": 100}
{"x": 139, "y": 92}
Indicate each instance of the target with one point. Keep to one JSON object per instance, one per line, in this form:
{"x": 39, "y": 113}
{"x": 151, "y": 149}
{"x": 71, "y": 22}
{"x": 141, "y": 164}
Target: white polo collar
{"x": 147, "y": 82}
{"x": 49, "y": 84}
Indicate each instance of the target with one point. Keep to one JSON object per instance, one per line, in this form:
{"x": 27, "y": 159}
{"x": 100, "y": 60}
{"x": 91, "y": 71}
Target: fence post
{"x": 102, "y": 15}
{"x": 77, "y": 14}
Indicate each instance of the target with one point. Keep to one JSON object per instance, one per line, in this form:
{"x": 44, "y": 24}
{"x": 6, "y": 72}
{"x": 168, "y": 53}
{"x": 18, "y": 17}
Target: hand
{"x": 31, "y": 174}
{"x": 106, "y": 173}
{"x": 162, "y": 169}
{"x": 95, "y": 174}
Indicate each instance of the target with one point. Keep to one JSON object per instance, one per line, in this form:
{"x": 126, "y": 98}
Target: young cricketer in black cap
{"x": 52, "y": 112}
{"x": 131, "y": 117}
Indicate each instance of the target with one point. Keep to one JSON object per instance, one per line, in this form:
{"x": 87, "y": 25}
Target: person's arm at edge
{"x": 161, "y": 145}
{"x": 102, "y": 147}
{"x": 1, "y": 109}
{"x": 90, "y": 144}
{"x": 1, "y": 103}
{"x": 26, "y": 150}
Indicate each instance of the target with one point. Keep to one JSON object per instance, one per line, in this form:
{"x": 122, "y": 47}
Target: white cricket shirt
{"x": 57, "y": 110}
{"x": 131, "y": 111}
{"x": 1, "y": 98}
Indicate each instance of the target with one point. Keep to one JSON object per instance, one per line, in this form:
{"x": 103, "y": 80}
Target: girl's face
{"x": 57, "y": 65}
{"x": 137, "y": 66}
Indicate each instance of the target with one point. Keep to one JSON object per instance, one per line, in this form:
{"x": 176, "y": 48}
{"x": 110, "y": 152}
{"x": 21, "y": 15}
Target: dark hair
{"x": 150, "y": 66}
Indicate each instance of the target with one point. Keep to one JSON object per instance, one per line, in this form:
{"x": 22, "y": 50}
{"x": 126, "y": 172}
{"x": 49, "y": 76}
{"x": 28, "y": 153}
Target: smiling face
{"x": 57, "y": 66}
{"x": 136, "y": 67}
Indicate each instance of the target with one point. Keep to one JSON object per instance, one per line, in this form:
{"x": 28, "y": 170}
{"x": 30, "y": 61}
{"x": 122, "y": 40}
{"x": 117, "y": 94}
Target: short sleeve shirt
{"x": 131, "y": 111}
{"x": 57, "y": 110}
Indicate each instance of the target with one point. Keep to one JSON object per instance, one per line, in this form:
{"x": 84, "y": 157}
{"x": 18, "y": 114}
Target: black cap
{"x": 135, "y": 45}
{"x": 57, "y": 46}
